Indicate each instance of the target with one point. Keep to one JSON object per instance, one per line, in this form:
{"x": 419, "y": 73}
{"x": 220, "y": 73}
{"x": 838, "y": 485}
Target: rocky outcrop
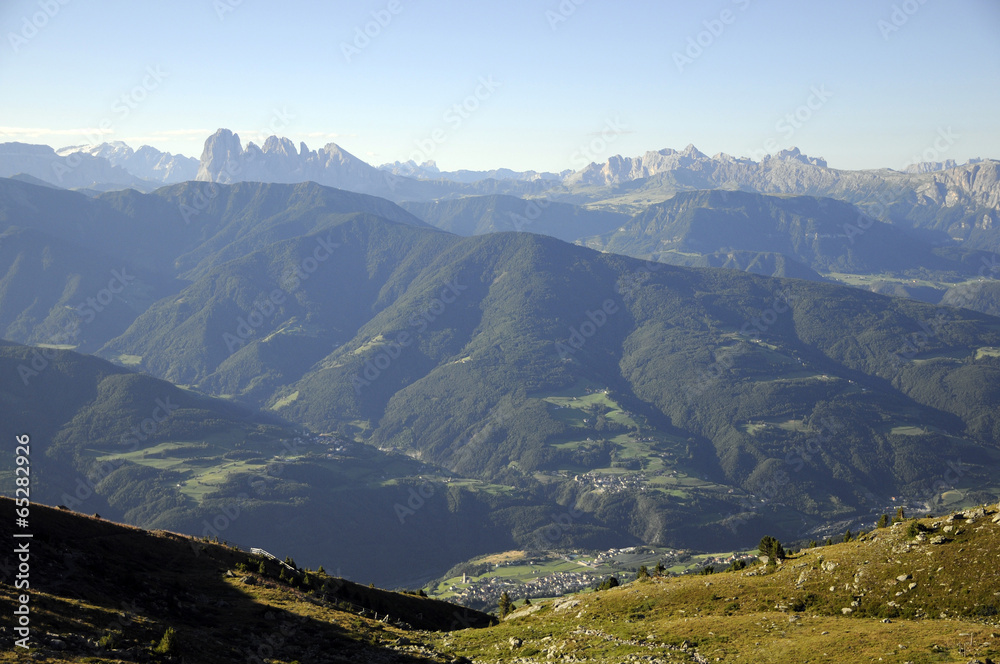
{"x": 929, "y": 198}
{"x": 225, "y": 160}
{"x": 791, "y": 172}
{"x": 932, "y": 166}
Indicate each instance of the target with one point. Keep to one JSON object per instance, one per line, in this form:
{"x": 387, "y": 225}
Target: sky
{"x": 544, "y": 85}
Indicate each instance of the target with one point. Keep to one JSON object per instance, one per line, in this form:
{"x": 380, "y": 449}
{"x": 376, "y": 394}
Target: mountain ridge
{"x": 825, "y": 234}
{"x": 482, "y": 328}
{"x": 147, "y": 162}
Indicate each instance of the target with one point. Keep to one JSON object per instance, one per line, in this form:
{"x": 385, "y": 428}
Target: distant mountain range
{"x": 961, "y": 202}
{"x": 147, "y": 162}
{"x": 78, "y": 171}
{"x": 955, "y": 204}
{"x": 429, "y": 171}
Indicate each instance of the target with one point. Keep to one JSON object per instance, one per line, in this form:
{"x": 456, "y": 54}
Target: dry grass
{"x": 789, "y": 613}
{"x": 910, "y": 600}
{"x": 93, "y": 579}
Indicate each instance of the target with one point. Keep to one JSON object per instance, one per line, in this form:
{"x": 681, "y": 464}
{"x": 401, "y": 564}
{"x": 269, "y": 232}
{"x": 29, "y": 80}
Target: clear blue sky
{"x": 560, "y": 83}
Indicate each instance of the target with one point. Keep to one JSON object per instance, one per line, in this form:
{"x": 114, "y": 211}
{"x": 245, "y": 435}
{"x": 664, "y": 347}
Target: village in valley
{"x": 522, "y": 575}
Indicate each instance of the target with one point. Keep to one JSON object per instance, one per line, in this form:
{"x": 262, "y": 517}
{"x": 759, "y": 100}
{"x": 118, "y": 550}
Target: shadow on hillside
{"x": 136, "y": 584}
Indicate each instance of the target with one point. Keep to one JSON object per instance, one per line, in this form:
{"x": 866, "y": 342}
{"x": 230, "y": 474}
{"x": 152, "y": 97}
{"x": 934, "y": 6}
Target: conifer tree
{"x": 505, "y": 606}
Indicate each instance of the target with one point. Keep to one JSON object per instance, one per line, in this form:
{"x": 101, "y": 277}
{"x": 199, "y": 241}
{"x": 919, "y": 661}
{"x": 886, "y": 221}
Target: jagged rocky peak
{"x": 107, "y": 150}
{"x": 665, "y": 152}
{"x": 147, "y": 162}
{"x": 334, "y": 149}
{"x": 935, "y": 166}
{"x": 278, "y": 160}
{"x": 283, "y": 146}
{"x": 221, "y": 148}
{"x": 222, "y": 142}
{"x": 693, "y": 152}
{"x": 796, "y": 155}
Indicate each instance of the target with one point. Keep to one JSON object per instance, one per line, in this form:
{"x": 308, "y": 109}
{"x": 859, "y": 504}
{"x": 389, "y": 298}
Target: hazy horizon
{"x": 258, "y": 140}
{"x": 524, "y": 86}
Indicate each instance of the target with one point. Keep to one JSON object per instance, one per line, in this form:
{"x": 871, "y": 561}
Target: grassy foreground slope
{"x": 104, "y": 592}
{"x": 919, "y": 591}
{"x": 890, "y": 596}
